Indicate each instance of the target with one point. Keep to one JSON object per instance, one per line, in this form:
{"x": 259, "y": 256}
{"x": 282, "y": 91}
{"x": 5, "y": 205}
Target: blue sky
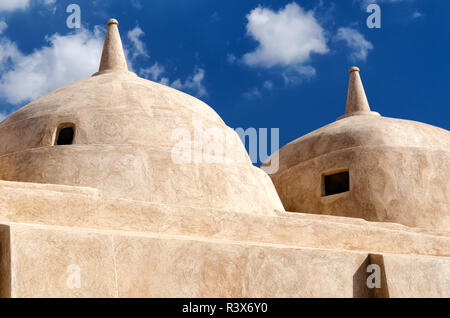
{"x": 262, "y": 64}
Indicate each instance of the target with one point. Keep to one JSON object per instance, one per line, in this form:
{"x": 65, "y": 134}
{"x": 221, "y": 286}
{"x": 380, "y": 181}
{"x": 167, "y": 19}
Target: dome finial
{"x": 113, "y": 57}
{"x": 357, "y": 103}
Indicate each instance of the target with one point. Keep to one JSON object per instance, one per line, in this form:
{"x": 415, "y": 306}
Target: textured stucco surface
{"x": 398, "y": 170}
{"x": 127, "y": 248}
{"x": 87, "y": 208}
{"x": 115, "y": 207}
{"x": 42, "y": 259}
{"x": 168, "y": 266}
{"x": 124, "y": 137}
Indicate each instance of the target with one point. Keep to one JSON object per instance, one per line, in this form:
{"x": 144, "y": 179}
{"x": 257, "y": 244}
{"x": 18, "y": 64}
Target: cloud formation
{"x": 153, "y": 72}
{"x": 253, "y": 93}
{"x": 136, "y": 4}
{"x": 417, "y": 14}
{"x": 3, "y": 26}
{"x": 66, "y": 58}
{"x": 287, "y": 37}
{"x": 194, "y": 83}
{"x": 13, "y": 5}
{"x": 139, "y": 47}
{"x": 297, "y": 74}
{"x": 359, "y": 46}
{"x": 63, "y": 60}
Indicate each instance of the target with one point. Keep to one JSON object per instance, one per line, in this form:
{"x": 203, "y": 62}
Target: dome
{"x": 358, "y": 131}
{"x": 368, "y": 166}
{"x": 122, "y": 131}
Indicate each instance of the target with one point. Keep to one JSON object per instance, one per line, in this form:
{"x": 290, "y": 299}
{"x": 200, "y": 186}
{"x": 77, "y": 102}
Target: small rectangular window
{"x": 65, "y": 134}
{"x": 335, "y": 183}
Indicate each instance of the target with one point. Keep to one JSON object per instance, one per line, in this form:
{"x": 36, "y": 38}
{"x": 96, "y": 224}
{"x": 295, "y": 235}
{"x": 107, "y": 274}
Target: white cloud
{"x": 139, "y": 48}
{"x": 51, "y": 4}
{"x": 3, "y": 26}
{"x": 417, "y": 14}
{"x": 297, "y": 74}
{"x": 256, "y": 93}
{"x": 153, "y": 72}
{"x": 136, "y": 4}
{"x": 12, "y": 5}
{"x": 253, "y": 93}
{"x": 287, "y": 37}
{"x": 8, "y": 53}
{"x": 268, "y": 84}
{"x": 356, "y": 42}
{"x": 2, "y": 116}
{"x": 193, "y": 83}
{"x": 66, "y": 59}
{"x": 165, "y": 81}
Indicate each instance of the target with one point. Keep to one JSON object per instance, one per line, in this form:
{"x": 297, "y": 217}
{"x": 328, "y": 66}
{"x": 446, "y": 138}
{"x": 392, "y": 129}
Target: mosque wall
{"x": 113, "y": 215}
{"x": 89, "y": 208}
{"x": 51, "y": 261}
{"x": 406, "y": 185}
{"x": 113, "y": 169}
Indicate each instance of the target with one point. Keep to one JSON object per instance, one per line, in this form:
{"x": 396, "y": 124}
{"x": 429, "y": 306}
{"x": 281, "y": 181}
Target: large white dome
{"x": 123, "y": 143}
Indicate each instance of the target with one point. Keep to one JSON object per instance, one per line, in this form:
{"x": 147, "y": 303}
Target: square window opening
{"x": 65, "y": 135}
{"x": 334, "y": 183}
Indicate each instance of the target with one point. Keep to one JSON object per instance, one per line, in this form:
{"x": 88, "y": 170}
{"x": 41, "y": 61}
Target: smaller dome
{"x": 384, "y": 169}
{"x": 363, "y": 130}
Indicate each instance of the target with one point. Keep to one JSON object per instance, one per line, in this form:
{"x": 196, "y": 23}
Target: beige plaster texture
{"x": 52, "y": 205}
{"x": 125, "y": 136}
{"x": 130, "y": 264}
{"x": 399, "y": 169}
{"x": 112, "y": 214}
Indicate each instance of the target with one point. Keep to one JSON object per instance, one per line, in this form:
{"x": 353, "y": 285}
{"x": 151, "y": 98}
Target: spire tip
{"x": 112, "y": 21}
{"x": 113, "y": 56}
{"x": 357, "y": 103}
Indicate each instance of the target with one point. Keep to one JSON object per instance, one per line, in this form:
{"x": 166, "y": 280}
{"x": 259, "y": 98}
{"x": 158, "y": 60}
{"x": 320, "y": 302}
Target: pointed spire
{"x": 356, "y": 97}
{"x": 113, "y": 57}
{"x": 357, "y": 103}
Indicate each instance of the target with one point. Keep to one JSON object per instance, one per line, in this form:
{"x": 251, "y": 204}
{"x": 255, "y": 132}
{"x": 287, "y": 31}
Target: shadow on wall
{"x": 365, "y": 275}
{"x": 5, "y": 262}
